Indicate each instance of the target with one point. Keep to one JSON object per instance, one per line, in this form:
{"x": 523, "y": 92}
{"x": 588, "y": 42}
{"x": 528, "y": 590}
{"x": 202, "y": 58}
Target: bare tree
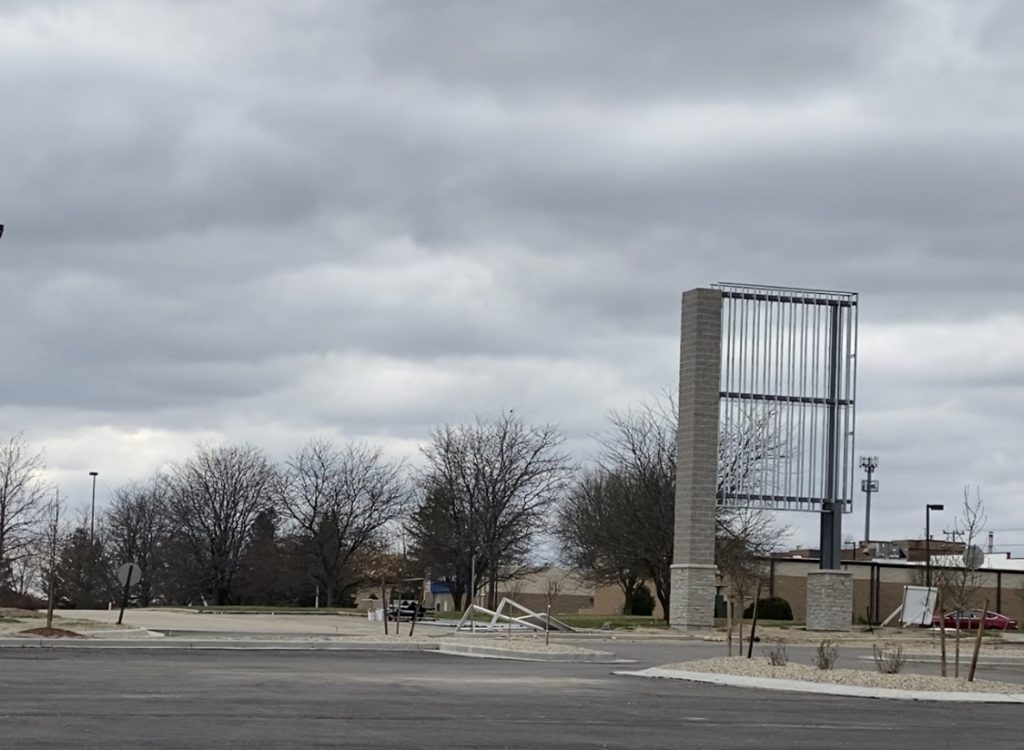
{"x": 749, "y": 441}
{"x": 617, "y": 522}
{"x": 744, "y": 539}
{"x": 214, "y": 498}
{"x": 552, "y": 589}
{"x": 618, "y": 528}
{"x": 135, "y": 528}
{"x": 342, "y": 500}
{"x": 51, "y": 543}
{"x": 958, "y": 583}
{"x": 23, "y": 499}
{"x": 26, "y": 571}
{"x": 638, "y": 457}
{"x": 489, "y": 486}
{"x": 594, "y": 539}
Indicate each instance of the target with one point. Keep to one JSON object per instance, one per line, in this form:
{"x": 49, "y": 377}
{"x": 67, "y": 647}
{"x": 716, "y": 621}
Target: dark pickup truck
{"x": 405, "y": 609}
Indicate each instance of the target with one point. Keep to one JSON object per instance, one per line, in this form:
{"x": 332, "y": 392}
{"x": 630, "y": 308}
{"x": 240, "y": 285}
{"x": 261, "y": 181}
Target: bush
{"x": 14, "y": 600}
{"x": 826, "y": 654}
{"x": 641, "y": 603}
{"x": 888, "y": 658}
{"x": 776, "y": 654}
{"x": 772, "y": 608}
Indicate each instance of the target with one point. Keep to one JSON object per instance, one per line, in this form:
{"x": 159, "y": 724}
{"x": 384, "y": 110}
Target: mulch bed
{"x": 52, "y": 633}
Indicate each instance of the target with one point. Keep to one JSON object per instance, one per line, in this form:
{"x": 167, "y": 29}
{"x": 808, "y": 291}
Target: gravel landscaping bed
{"x": 862, "y": 678}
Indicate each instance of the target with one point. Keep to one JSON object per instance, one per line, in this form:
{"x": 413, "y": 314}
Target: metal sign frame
{"x": 788, "y": 388}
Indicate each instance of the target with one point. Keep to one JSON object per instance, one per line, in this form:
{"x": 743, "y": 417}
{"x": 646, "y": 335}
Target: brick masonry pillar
{"x": 692, "y": 602}
{"x": 829, "y": 600}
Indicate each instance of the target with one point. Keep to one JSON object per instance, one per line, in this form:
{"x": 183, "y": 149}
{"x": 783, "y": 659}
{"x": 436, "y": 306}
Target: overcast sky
{"x": 264, "y": 221}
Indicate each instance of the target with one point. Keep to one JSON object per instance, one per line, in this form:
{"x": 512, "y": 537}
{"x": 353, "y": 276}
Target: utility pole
{"x": 867, "y": 486}
{"x": 928, "y": 540}
{"x": 92, "y": 515}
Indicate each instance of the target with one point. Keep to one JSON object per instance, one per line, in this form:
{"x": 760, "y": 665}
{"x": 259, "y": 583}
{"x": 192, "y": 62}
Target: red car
{"x": 969, "y": 619}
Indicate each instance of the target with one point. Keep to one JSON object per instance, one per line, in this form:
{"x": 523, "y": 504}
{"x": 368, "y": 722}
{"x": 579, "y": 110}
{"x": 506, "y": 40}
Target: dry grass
{"x": 13, "y": 613}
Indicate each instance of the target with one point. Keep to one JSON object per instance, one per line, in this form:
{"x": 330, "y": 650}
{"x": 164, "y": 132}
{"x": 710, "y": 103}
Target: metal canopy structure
{"x": 786, "y": 414}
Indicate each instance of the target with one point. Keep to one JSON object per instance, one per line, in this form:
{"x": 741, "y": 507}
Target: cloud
{"x": 248, "y": 221}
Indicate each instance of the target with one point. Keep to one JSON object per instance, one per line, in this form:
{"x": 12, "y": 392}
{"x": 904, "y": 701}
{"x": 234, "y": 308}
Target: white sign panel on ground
{"x": 918, "y": 605}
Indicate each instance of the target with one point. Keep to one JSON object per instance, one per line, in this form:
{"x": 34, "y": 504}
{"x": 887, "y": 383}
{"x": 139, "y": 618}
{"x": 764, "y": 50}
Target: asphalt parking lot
{"x": 171, "y": 698}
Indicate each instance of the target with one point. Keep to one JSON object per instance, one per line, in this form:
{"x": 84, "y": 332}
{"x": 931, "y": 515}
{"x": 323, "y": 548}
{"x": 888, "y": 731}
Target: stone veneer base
{"x": 829, "y": 600}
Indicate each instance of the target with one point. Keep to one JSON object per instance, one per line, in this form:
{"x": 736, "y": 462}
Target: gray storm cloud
{"x": 259, "y": 221}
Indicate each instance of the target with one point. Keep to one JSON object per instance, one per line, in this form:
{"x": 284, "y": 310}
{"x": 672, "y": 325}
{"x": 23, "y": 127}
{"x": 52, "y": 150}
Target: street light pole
{"x": 867, "y": 486}
{"x": 928, "y": 541}
{"x": 92, "y": 515}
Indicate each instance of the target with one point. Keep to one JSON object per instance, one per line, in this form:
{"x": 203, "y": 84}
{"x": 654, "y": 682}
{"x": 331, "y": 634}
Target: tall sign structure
{"x": 767, "y": 385}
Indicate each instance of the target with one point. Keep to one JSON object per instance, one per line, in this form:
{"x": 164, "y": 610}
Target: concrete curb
{"x": 494, "y": 652}
{"x": 122, "y": 633}
{"x": 820, "y": 688}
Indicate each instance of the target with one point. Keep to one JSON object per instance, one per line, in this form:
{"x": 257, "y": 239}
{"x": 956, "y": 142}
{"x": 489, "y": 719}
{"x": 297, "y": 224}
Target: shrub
{"x": 776, "y": 654}
{"x": 641, "y": 603}
{"x": 888, "y": 658}
{"x": 14, "y": 600}
{"x": 772, "y": 608}
{"x": 826, "y": 654}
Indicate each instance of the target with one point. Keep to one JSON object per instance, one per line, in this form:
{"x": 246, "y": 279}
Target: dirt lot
{"x": 189, "y": 621}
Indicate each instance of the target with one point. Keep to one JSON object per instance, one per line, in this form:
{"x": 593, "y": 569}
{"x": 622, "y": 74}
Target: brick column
{"x": 829, "y": 600}
{"x": 692, "y": 604}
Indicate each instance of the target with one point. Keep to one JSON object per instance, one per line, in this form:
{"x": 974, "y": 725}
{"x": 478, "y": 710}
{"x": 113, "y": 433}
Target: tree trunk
{"x": 629, "y": 587}
{"x": 492, "y": 591}
{"x": 942, "y": 635}
{"x": 977, "y": 643}
{"x": 728, "y": 626}
{"x": 740, "y": 623}
{"x": 222, "y": 594}
{"x": 956, "y": 657}
{"x": 661, "y": 589}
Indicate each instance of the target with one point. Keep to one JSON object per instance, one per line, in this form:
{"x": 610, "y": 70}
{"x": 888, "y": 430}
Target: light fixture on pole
{"x": 928, "y": 541}
{"x": 867, "y": 486}
{"x": 92, "y": 515}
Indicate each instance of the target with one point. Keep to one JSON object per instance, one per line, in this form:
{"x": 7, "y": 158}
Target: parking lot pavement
{"x": 1005, "y": 665}
{"x": 259, "y": 699}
